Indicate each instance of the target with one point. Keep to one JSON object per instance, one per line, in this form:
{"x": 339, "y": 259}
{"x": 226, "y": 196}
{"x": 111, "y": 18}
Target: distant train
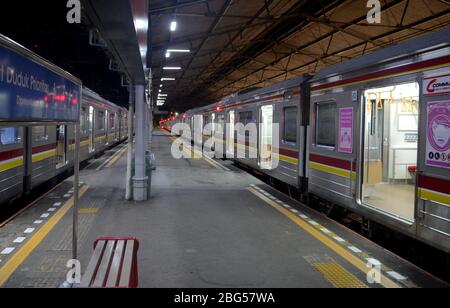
{"x": 49, "y": 149}
{"x": 371, "y": 135}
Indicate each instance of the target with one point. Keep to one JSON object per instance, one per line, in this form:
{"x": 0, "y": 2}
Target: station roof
{"x": 123, "y": 25}
{"x": 240, "y": 44}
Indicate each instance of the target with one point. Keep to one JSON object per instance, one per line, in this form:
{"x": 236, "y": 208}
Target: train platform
{"x": 208, "y": 224}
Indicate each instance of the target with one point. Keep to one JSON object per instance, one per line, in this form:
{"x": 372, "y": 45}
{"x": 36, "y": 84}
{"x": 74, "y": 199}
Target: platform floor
{"x": 204, "y": 226}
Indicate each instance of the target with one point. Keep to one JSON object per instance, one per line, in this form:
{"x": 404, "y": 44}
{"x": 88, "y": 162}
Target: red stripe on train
{"x": 7, "y": 155}
{"x": 434, "y": 184}
{"x": 332, "y": 161}
{"x": 289, "y": 153}
{"x": 44, "y": 148}
{"x": 391, "y": 71}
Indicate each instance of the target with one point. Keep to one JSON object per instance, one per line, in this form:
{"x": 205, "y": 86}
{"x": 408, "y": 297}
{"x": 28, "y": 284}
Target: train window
{"x": 101, "y": 120}
{"x": 290, "y": 124}
{"x": 112, "y": 122}
{"x": 245, "y": 117}
{"x": 40, "y": 133}
{"x": 326, "y": 124}
{"x": 10, "y": 135}
{"x": 83, "y": 116}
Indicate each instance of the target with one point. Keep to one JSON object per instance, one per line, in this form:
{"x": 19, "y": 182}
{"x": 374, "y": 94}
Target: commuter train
{"x": 371, "y": 135}
{"x": 31, "y": 155}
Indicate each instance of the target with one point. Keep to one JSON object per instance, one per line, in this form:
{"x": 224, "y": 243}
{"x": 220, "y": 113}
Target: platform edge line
{"x": 349, "y": 257}
{"x": 7, "y": 270}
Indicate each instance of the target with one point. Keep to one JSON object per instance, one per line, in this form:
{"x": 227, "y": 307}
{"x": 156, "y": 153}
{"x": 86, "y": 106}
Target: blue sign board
{"x": 31, "y": 92}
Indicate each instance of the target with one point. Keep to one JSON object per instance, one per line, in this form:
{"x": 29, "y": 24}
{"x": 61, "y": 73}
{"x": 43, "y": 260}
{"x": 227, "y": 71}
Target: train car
{"x": 371, "y": 135}
{"x": 380, "y": 137}
{"x": 48, "y": 150}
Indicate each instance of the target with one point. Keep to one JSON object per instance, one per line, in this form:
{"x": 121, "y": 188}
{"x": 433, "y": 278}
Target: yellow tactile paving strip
{"x": 338, "y": 276}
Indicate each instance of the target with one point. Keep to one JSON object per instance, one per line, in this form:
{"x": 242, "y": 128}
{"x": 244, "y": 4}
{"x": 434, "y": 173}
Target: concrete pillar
{"x": 128, "y": 194}
{"x": 140, "y": 179}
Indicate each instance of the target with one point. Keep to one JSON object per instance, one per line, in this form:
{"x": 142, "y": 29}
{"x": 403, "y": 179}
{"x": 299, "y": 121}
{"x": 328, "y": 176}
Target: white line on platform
{"x": 339, "y": 239}
{"x": 52, "y": 209}
{"x": 67, "y": 196}
{"x": 57, "y": 204}
{"x": 303, "y": 216}
{"x": 325, "y": 230}
{"x": 7, "y": 251}
{"x": 373, "y": 262}
{"x": 38, "y": 222}
{"x": 313, "y": 223}
{"x": 355, "y": 249}
{"x": 396, "y": 275}
{"x": 19, "y": 240}
{"x": 29, "y": 230}
{"x": 46, "y": 215}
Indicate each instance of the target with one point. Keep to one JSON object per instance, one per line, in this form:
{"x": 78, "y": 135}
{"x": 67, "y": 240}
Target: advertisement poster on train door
{"x": 346, "y": 130}
{"x": 438, "y": 134}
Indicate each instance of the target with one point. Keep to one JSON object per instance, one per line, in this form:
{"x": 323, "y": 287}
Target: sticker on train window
{"x": 438, "y": 134}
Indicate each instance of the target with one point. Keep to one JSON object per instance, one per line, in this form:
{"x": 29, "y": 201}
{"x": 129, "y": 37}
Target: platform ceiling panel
{"x": 242, "y": 44}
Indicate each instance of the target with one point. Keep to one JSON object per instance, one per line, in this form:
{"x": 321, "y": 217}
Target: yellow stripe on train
{"x": 44, "y": 155}
{"x": 11, "y": 164}
{"x": 333, "y": 170}
{"x": 430, "y": 195}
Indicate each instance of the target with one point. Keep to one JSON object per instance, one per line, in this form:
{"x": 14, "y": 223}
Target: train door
{"x": 266, "y": 137}
{"x": 230, "y": 134}
{"x": 391, "y": 149}
{"x": 61, "y": 146}
{"x": 91, "y": 129}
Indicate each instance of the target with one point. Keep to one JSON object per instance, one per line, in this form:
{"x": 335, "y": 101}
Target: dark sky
{"x": 42, "y": 27}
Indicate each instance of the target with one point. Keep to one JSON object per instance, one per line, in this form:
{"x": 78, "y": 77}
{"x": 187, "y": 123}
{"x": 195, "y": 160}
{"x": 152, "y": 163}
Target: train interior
{"x": 391, "y": 147}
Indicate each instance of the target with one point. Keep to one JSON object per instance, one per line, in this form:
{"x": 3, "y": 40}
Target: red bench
{"x": 113, "y": 264}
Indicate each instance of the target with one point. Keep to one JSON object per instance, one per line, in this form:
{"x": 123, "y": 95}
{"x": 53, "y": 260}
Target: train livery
{"x": 49, "y": 149}
{"x": 371, "y": 134}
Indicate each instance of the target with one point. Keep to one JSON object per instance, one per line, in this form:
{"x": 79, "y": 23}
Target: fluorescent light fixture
{"x": 171, "y": 68}
{"x": 167, "y": 54}
{"x": 141, "y": 24}
{"x": 173, "y": 26}
{"x": 167, "y": 79}
{"x": 162, "y": 95}
{"x": 159, "y": 104}
{"x": 143, "y": 51}
{"x": 160, "y": 85}
{"x": 178, "y": 50}
{"x": 160, "y": 91}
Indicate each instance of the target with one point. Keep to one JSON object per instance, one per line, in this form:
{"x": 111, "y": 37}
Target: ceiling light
{"x": 160, "y": 85}
{"x": 178, "y": 50}
{"x": 167, "y": 54}
{"x": 167, "y": 79}
{"x": 162, "y": 95}
{"x": 141, "y": 24}
{"x": 171, "y": 68}
{"x": 173, "y": 26}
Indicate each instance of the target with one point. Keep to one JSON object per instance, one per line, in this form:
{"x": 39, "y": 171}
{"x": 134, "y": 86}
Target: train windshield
{"x": 390, "y": 149}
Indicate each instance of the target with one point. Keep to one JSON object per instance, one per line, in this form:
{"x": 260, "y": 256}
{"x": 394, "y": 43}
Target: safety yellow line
{"x": 341, "y": 251}
{"x": 118, "y": 156}
{"x": 22, "y": 254}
